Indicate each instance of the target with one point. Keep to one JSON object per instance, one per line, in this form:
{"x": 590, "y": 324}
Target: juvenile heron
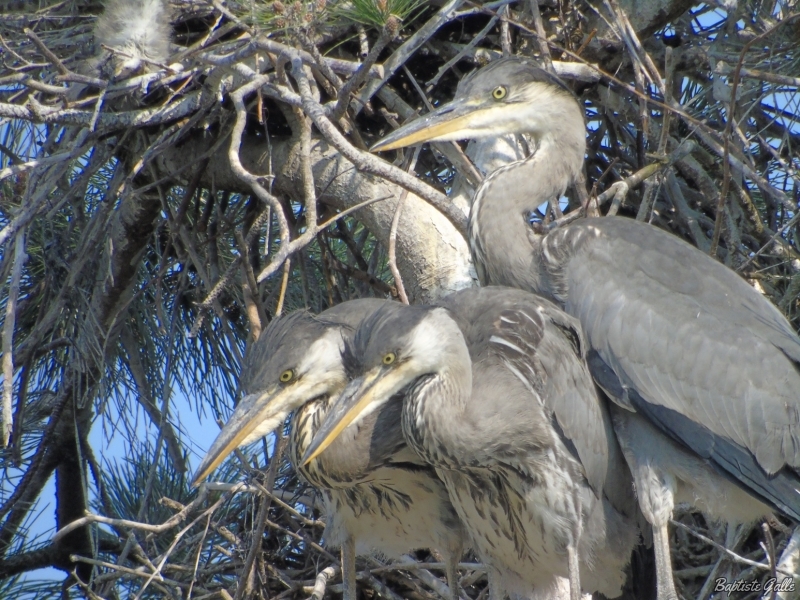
{"x": 496, "y": 395}
{"x": 131, "y": 36}
{"x": 704, "y": 370}
{"x": 379, "y": 496}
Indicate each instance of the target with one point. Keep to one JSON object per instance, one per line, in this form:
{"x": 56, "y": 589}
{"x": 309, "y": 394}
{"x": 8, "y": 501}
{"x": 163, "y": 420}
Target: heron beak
{"x": 456, "y": 120}
{"x": 255, "y": 416}
{"x": 372, "y": 389}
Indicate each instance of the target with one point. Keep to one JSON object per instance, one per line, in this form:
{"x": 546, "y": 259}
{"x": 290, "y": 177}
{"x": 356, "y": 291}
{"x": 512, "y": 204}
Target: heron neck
{"x": 501, "y": 238}
{"x": 435, "y": 419}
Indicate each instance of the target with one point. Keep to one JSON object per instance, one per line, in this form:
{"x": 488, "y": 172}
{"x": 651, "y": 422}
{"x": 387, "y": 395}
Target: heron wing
{"x": 541, "y": 349}
{"x": 683, "y": 340}
{"x": 544, "y": 348}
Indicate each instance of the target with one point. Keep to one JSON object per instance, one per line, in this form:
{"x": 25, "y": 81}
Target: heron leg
{"x": 451, "y": 568}
{"x": 574, "y": 572}
{"x": 349, "y": 569}
{"x": 496, "y": 591}
{"x": 664, "y": 584}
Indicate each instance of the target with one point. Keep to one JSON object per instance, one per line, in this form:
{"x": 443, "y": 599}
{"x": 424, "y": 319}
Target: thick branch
{"x": 433, "y": 257}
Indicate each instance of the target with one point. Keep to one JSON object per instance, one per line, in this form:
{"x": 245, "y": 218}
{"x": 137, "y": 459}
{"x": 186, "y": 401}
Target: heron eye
{"x": 499, "y": 92}
{"x": 287, "y": 376}
{"x": 389, "y": 358}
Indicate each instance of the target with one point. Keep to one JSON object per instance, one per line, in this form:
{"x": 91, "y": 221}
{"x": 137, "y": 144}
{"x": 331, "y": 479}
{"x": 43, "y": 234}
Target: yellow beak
{"x": 455, "y": 120}
{"x": 251, "y": 413}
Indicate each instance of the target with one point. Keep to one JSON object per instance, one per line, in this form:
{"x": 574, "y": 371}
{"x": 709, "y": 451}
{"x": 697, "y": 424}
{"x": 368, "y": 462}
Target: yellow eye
{"x": 287, "y": 376}
{"x": 389, "y": 358}
{"x": 499, "y": 92}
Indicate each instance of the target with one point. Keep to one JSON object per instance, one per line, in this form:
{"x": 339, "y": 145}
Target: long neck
{"x": 349, "y": 458}
{"x": 434, "y": 410}
{"x": 502, "y": 242}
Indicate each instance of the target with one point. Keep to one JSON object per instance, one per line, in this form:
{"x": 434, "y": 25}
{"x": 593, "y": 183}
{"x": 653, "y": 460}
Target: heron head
{"x": 295, "y": 360}
{"x": 507, "y": 96}
{"x": 391, "y": 351}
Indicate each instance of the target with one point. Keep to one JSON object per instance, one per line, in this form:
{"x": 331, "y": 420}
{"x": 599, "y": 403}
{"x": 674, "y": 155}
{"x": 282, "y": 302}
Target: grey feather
{"x": 135, "y": 34}
{"x": 687, "y": 334}
{"x": 539, "y": 339}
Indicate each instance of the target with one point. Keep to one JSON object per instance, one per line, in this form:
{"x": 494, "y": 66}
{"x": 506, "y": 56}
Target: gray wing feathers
{"x": 544, "y": 346}
{"x": 545, "y": 349}
{"x": 730, "y": 459}
{"x": 687, "y": 334}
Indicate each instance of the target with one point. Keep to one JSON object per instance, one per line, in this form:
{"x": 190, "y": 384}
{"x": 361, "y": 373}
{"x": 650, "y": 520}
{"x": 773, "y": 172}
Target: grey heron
{"x": 704, "y": 371}
{"x": 379, "y": 496}
{"x": 497, "y": 396}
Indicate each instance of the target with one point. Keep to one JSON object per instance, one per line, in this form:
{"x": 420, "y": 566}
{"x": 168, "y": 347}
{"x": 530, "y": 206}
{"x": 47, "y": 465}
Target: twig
{"x": 322, "y": 581}
{"x": 669, "y": 69}
{"x": 674, "y": 107}
{"x": 295, "y": 245}
{"x": 629, "y": 182}
{"x": 371, "y": 164}
{"x": 483, "y": 9}
{"x": 157, "y": 573}
{"x": 276, "y": 498}
{"x": 46, "y": 51}
{"x": 648, "y": 199}
{"x": 84, "y": 79}
{"x": 197, "y": 558}
{"x": 261, "y": 521}
{"x": 231, "y": 17}
{"x": 253, "y": 181}
{"x": 505, "y": 34}
{"x": 287, "y": 267}
{"x": 42, "y": 113}
{"x": 635, "y": 49}
{"x": 732, "y": 554}
{"x": 726, "y": 167}
{"x": 620, "y": 190}
{"x": 789, "y": 561}
{"x": 165, "y": 526}
{"x": 20, "y": 257}
{"x": 776, "y": 78}
{"x": 35, "y": 84}
{"x": 303, "y": 538}
{"x": 765, "y": 186}
{"x": 464, "y": 51}
{"x": 389, "y": 31}
{"x": 427, "y": 577}
{"x": 309, "y": 193}
{"x": 398, "y": 280}
{"x": 345, "y": 67}
{"x": 140, "y": 572}
{"x": 769, "y": 549}
{"x": 541, "y": 35}
{"x": 252, "y": 306}
{"x": 329, "y": 80}
{"x": 14, "y": 159}
{"x": 411, "y": 45}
